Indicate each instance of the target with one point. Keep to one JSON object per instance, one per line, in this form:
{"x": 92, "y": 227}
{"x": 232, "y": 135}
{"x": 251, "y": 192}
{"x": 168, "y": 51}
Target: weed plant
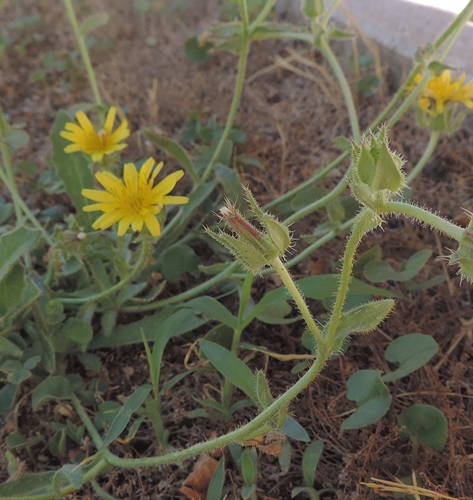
{"x": 65, "y": 282}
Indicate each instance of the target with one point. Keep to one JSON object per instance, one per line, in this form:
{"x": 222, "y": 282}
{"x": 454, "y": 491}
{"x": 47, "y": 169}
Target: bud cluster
{"x": 377, "y": 171}
{"x": 254, "y": 248}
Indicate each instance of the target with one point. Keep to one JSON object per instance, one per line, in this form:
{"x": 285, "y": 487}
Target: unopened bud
{"x": 254, "y": 248}
{"x": 463, "y": 257}
{"x": 377, "y": 171}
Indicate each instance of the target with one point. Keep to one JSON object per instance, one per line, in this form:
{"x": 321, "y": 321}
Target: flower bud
{"x": 376, "y": 169}
{"x": 464, "y": 254}
{"x": 254, "y": 248}
{"x": 312, "y": 8}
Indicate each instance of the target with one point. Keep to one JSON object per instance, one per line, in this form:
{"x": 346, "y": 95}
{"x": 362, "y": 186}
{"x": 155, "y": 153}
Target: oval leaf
{"x": 411, "y": 351}
{"x": 56, "y": 387}
{"x": 425, "y": 424}
{"x": 371, "y": 395}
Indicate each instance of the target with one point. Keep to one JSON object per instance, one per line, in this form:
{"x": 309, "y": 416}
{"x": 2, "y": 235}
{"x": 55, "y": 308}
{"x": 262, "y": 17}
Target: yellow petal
{"x": 121, "y": 133}
{"x": 109, "y": 181}
{"x": 167, "y": 184}
{"x": 130, "y": 175}
{"x": 174, "y": 200}
{"x": 124, "y": 224}
{"x": 137, "y": 222}
{"x": 110, "y": 119}
{"x": 152, "y": 224}
{"x": 85, "y": 123}
{"x": 146, "y": 170}
{"x": 72, "y": 148}
{"x": 96, "y": 195}
{"x": 96, "y": 157}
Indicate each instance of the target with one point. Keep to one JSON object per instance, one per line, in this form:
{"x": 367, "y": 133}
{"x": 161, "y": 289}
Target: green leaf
{"x": 168, "y": 329}
{"x": 342, "y": 143}
{"x": 294, "y": 430}
{"x": 69, "y": 474}
{"x": 372, "y": 398}
{"x": 249, "y": 466}
{"x": 57, "y": 444}
{"x": 197, "y": 52}
{"x": 14, "y": 244}
{"x": 72, "y": 168}
{"x": 368, "y": 85}
{"x": 316, "y": 287}
{"x": 215, "y": 489}
{"x": 414, "y": 264}
{"x": 310, "y": 461}
{"x": 93, "y": 22}
{"x": 177, "y": 260}
{"x": 8, "y": 348}
{"x": 230, "y": 183}
{"x": 378, "y": 271}
{"x": 29, "y": 486}
{"x": 374, "y": 253}
{"x": 364, "y": 318}
{"x": 311, "y": 492}
{"x": 285, "y": 457}
{"x": 214, "y": 309}
{"x": 275, "y": 314}
{"x": 77, "y": 330}
{"x": 411, "y": 352}
{"x": 340, "y": 35}
{"x": 174, "y": 149}
{"x": 123, "y": 417}
{"x": 424, "y": 424}
{"x": 16, "y": 139}
{"x": 149, "y": 325}
{"x": 263, "y": 392}
{"x": 7, "y": 398}
{"x": 55, "y": 387}
{"x": 231, "y": 367}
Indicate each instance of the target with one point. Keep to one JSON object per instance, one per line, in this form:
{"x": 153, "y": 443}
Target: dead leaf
{"x": 196, "y": 485}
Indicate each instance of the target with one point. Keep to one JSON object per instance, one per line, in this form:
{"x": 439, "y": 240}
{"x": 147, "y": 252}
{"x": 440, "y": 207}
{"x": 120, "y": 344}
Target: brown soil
{"x": 290, "y": 124}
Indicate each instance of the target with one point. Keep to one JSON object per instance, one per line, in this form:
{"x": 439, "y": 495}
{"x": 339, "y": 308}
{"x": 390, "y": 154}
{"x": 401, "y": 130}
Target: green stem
{"x": 322, "y": 202}
{"x": 100, "y": 491}
{"x": 342, "y": 81}
{"x": 363, "y": 224}
{"x": 319, "y": 175}
{"x": 454, "y": 29}
{"x": 8, "y": 166}
{"x": 227, "y": 390}
{"x": 145, "y": 248}
{"x": 328, "y": 13}
{"x": 17, "y": 200}
{"x": 87, "y": 422}
{"x": 240, "y": 434}
{"x": 83, "y": 51}
{"x": 398, "y": 207}
{"x": 299, "y": 300}
{"x": 233, "y": 108}
{"x": 189, "y": 294}
{"x": 264, "y": 13}
{"x": 434, "y": 137}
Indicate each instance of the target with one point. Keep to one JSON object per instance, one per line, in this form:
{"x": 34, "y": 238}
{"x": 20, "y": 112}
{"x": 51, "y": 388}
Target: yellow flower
{"x": 134, "y": 202}
{"x": 85, "y": 138}
{"x": 442, "y": 90}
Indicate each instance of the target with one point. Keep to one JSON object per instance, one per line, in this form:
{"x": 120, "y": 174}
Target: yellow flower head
{"x": 85, "y": 138}
{"x": 134, "y": 201}
{"x": 442, "y": 90}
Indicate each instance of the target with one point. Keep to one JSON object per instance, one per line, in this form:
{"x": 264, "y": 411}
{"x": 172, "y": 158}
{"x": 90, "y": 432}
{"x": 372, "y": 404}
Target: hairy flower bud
{"x": 377, "y": 171}
{"x": 254, "y": 248}
{"x": 464, "y": 254}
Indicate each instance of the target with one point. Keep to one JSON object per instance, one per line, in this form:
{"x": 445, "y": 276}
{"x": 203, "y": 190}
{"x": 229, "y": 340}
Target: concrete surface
{"x": 402, "y": 26}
